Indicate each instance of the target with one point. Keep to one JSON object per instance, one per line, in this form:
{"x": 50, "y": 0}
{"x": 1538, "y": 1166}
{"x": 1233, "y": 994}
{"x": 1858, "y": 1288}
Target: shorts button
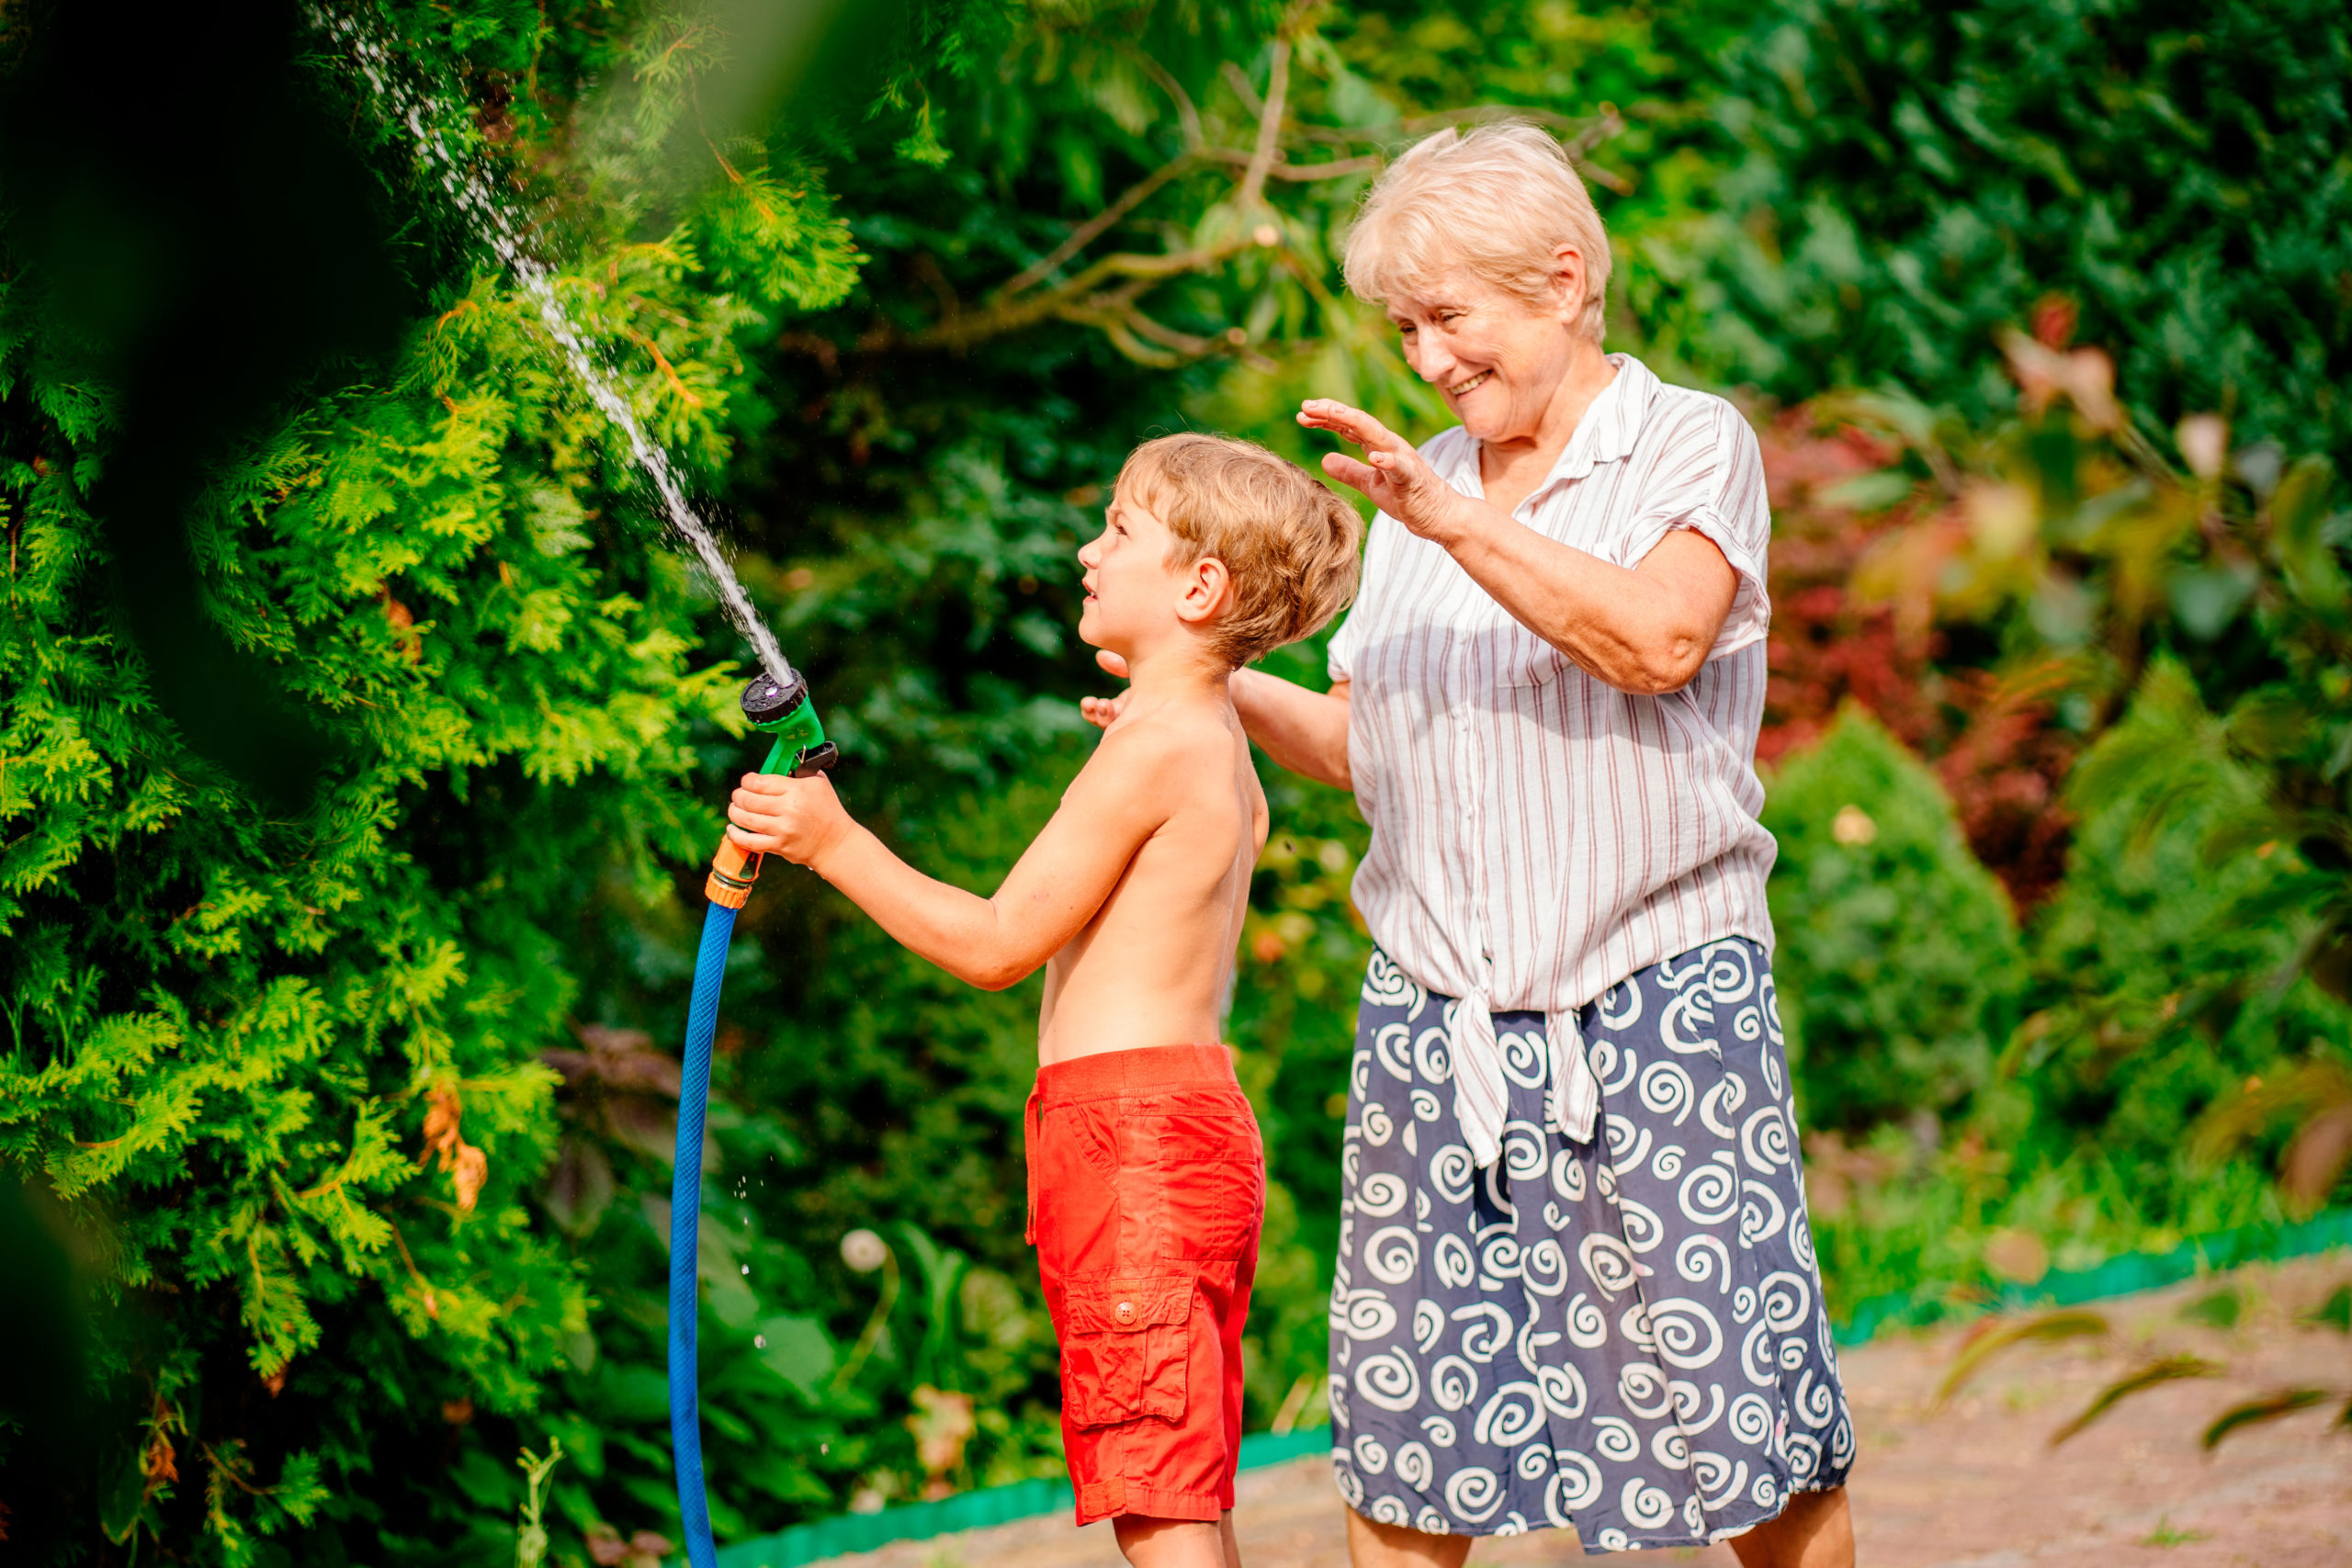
{"x": 1125, "y": 1311}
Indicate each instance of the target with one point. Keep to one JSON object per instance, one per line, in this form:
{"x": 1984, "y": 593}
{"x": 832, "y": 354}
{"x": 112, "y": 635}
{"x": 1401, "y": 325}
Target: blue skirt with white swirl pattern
{"x": 1627, "y": 1336}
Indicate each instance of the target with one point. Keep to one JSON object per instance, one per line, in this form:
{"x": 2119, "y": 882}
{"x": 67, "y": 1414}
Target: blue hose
{"x": 780, "y": 709}
{"x": 685, "y": 1228}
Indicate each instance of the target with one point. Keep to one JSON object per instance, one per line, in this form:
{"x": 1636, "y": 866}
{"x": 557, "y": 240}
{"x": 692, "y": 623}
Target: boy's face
{"x": 1134, "y": 599}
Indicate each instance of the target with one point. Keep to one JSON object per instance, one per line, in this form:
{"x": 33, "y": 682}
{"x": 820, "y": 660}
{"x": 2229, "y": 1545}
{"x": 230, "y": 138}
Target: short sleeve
{"x": 1708, "y": 477}
{"x": 1340, "y": 654}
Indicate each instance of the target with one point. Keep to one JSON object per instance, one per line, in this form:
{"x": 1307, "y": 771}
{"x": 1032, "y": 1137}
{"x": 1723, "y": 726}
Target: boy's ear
{"x": 1208, "y": 590}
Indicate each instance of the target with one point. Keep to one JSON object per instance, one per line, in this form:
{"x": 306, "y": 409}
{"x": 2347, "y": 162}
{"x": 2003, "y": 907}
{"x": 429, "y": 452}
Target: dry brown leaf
{"x": 467, "y": 1166}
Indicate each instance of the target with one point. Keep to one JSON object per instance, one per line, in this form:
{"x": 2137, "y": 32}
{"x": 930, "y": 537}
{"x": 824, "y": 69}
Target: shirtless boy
{"x": 1147, "y": 1179}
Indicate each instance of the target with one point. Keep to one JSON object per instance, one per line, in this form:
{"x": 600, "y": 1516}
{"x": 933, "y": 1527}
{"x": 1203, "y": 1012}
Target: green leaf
{"x": 2219, "y": 1309}
{"x": 1869, "y": 492}
{"x": 2254, "y": 1412}
{"x": 2050, "y": 1328}
{"x": 2151, "y": 1374}
{"x": 798, "y": 1351}
{"x": 2335, "y": 1312}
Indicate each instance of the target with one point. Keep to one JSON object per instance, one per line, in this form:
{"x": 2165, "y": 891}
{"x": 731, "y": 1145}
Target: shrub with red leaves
{"x": 1992, "y": 741}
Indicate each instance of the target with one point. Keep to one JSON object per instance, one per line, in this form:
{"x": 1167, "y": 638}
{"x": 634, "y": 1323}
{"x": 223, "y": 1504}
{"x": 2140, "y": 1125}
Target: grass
{"x": 2165, "y": 1535}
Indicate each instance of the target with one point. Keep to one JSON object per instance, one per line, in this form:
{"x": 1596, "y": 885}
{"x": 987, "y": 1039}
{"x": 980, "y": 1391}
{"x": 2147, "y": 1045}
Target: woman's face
{"x": 1496, "y": 358}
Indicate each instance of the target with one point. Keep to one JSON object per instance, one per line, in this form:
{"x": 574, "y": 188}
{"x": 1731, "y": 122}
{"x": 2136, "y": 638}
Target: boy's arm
{"x": 1116, "y": 802}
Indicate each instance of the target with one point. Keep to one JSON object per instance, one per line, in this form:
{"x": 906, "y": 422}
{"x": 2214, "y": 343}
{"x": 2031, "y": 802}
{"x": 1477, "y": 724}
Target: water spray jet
{"x": 776, "y": 702}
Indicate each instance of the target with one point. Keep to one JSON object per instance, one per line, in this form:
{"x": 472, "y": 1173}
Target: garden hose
{"x": 800, "y": 750}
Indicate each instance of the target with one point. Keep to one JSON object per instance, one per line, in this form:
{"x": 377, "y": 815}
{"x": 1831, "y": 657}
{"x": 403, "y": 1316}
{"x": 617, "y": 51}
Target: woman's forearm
{"x": 1645, "y": 631}
{"x": 1303, "y": 731}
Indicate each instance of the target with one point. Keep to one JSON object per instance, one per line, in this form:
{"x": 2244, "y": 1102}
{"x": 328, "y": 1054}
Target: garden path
{"x": 1975, "y": 1486}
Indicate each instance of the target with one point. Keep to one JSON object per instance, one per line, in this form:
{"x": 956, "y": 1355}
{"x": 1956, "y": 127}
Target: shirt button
{"x": 1125, "y": 1311}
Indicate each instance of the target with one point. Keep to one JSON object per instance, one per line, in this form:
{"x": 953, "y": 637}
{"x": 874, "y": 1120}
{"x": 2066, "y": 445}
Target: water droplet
{"x": 747, "y": 1268}
{"x": 759, "y": 1341}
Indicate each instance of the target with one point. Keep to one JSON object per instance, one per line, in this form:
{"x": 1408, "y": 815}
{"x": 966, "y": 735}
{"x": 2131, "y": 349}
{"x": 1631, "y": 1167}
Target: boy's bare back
{"x": 1153, "y": 966}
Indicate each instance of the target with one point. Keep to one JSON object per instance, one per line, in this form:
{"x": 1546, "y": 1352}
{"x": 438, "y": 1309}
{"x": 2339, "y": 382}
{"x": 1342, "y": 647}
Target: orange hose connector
{"x": 732, "y": 870}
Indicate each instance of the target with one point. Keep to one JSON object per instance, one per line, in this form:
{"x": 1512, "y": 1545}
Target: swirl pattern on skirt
{"x": 1627, "y": 1336}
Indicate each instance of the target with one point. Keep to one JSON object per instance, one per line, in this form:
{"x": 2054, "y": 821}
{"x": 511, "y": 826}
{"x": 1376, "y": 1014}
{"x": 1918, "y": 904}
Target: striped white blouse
{"x": 1538, "y": 836}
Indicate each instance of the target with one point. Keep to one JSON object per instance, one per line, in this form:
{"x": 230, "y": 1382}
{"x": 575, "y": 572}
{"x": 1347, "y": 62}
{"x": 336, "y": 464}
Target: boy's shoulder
{"x": 1156, "y": 743}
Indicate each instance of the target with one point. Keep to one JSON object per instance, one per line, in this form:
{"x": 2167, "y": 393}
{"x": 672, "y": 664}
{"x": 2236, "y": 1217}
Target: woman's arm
{"x": 1646, "y": 630}
{"x": 1303, "y": 731}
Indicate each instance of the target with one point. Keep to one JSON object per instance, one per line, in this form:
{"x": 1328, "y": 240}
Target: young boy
{"x": 1146, "y": 1181}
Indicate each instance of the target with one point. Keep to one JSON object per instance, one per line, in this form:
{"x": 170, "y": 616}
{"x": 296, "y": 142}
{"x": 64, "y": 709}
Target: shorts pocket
{"x": 1212, "y": 1172}
{"x": 1125, "y": 1348}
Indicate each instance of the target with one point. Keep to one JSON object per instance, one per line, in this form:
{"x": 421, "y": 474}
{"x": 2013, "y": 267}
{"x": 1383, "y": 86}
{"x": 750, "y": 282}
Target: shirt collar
{"x": 1605, "y": 433}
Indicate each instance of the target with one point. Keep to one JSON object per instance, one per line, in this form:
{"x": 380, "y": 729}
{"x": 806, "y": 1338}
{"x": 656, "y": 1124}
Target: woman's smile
{"x": 1462, "y": 388}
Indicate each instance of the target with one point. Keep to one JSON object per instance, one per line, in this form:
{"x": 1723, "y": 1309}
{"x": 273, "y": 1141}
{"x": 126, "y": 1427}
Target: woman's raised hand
{"x": 1396, "y": 478}
{"x": 1103, "y": 711}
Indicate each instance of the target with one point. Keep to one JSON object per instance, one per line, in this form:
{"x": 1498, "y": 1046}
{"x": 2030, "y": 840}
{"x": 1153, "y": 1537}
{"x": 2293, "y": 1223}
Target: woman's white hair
{"x": 1498, "y": 199}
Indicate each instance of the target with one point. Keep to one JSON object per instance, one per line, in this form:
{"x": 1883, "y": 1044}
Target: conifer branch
{"x": 432, "y": 1301}
{"x": 663, "y": 361}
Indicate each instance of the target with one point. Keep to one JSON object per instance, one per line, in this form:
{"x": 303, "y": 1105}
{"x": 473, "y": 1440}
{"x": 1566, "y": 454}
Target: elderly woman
{"x": 1576, "y": 1285}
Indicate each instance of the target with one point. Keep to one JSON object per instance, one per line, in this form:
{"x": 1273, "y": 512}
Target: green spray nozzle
{"x": 785, "y": 711}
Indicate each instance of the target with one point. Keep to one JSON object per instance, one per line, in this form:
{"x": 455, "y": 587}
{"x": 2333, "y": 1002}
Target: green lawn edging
{"x": 2124, "y": 1275}
{"x": 986, "y": 1505}
{"x": 822, "y": 1539}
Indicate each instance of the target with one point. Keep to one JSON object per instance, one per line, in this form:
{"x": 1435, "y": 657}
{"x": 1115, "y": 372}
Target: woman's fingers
{"x": 1101, "y": 712}
{"x": 1348, "y": 472}
{"x": 1353, "y": 423}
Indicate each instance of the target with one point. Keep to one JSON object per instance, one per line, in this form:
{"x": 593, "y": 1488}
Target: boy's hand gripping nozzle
{"x": 800, "y": 750}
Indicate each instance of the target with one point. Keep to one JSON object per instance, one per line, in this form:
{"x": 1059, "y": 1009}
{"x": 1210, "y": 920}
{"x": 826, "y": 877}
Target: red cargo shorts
{"x": 1147, "y": 1188}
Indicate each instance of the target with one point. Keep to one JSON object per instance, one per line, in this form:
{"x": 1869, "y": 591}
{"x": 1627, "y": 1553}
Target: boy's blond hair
{"x": 1288, "y": 543}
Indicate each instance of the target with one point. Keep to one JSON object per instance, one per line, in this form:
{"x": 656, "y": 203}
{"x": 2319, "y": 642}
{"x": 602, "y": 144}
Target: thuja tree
{"x": 275, "y": 1062}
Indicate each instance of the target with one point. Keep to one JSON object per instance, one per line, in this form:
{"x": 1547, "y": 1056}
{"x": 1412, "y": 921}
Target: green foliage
{"x": 365, "y": 1103}
{"x": 2185, "y": 1007}
{"x": 1914, "y": 177}
{"x": 1897, "y": 958}
{"x": 226, "y": 1031}
{"x": 284, "y": 1069}
{"x": 2167, "y": 976}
